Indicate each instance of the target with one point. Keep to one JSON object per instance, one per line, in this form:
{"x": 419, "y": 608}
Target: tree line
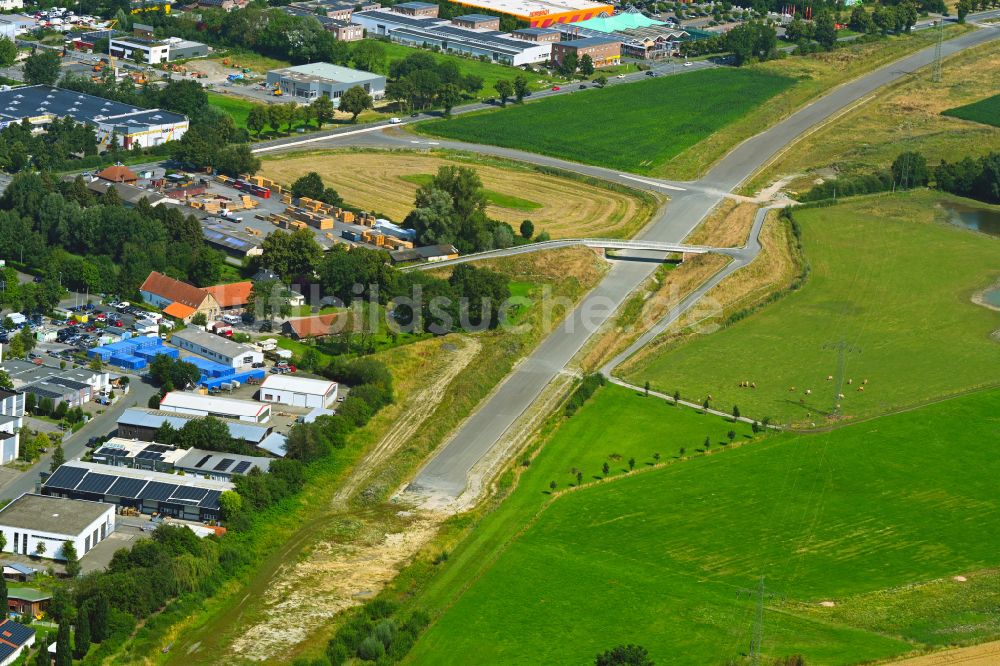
{"x": 74, "y": 238}
{"x": 973, "y": 177}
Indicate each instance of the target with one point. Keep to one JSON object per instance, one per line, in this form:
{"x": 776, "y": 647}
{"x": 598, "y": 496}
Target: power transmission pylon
{"x": 937, "y": 51}
{"x": 757, "y": 639}
{"x": 843, "y": 349}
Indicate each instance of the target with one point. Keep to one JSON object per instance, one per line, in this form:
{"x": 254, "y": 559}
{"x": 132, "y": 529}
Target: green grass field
{"x": 886, "y": 279}
{"x": 237, "y": 107}
{"x": 986, "y": 111}
{"x": 636, "y": 127}
{"x": 661, "y": 558}
{"x": 496, "y": 198}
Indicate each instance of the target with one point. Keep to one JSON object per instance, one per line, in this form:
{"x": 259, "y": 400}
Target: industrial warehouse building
{"x": 142, "y": 424}
{"x": 640, "y": 36}
{"x": 38, "y": 526}
{"x": 472, "y": 35}
{"x": 307, "y": 82}
{"x": 216, "y": 348}
{"x": 543, "y": 13}
{"x": 197, "y": 404}
{"x": 298, "y": 391}
{"x": 119, "y": 452}
{"x": 187, "y": 497}
{"x": 40, "y": 105}
{"x": 219, "y": 466}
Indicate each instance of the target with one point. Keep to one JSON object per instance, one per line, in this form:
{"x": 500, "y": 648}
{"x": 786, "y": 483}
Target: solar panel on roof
{"x": 126, "y": 487}
{"x": 241, "y": 467}
{"x": 157, "y": 490}
{"x": 158, "y": 448}
{"x": 96, "y": 483}
{"x": 66, "y": 477}
{"x": 203, "y": 461}
{"x": 223, "y": 464}
{"x": 211, "y": 500}
{"x": 188, "y": 493}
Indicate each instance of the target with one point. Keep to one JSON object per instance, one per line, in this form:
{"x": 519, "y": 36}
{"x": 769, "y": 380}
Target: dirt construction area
{"x": 386, "y": 182}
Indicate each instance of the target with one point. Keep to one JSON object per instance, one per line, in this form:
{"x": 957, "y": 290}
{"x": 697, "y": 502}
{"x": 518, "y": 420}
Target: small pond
{"x": 986, "y": 220}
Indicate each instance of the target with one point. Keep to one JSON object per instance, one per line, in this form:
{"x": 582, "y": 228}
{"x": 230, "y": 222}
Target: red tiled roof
{"x": 311, "y": 327}
{"x": 174, "y": 290}
{"x": 118, "y": 174}
{"x": 231, "y": 295}
{"x": 179, "y": 310}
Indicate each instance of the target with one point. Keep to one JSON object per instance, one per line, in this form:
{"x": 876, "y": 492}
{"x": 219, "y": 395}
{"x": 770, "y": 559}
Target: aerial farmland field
{"x": 636, "y": 127}
{"x": 670, "y": 558}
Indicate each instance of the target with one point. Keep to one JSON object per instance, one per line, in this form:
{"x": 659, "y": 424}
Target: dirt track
{"x": 357, "y": 553}
{"x": 987, "y": 654}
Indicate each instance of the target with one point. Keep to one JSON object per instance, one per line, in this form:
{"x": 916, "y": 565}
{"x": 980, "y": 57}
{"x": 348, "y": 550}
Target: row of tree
{"x": 976, "y": 178}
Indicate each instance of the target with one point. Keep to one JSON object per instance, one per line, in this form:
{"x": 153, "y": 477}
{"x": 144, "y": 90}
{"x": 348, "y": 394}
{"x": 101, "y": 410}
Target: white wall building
{"x": 39, "y": 525}
{"x": 11, "y": 5}
{"x": 208, "y": 405}
{"x": 216, "y": 348}
{"x": 298, "y": 391}
{"x": 11, "y": 420}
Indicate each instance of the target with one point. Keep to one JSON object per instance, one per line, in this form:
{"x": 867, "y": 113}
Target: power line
{"x": 843, "y": 348}
{"x": 757, "y": 639}
{"x": 937, "y": 51}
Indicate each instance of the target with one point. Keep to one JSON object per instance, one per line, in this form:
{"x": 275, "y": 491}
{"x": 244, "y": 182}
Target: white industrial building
{"x": 216, "y": 348}
{"x": 455, "y": 36}
{"x": 41, "y": 104}
{"x": 298, "y": 391}
{"x": 209, "y": 405}
{"x": 39, "y": 525}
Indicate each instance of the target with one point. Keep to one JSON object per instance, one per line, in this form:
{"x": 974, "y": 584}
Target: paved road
{"x": 75, "y": 445}
{"x": 447, "y": 473}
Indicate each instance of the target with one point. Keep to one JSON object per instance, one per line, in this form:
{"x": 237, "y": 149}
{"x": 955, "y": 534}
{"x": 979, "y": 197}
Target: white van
{"x": 232, "y": 319}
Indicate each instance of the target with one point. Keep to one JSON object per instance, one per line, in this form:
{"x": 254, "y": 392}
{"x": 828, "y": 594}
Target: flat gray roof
{"x": 213, "y": 462}
{"x": 324, "y": 72}
{"x": 212, "y": 342}
{"x": 151, "y": 418}
{"x": 51, "y": 514}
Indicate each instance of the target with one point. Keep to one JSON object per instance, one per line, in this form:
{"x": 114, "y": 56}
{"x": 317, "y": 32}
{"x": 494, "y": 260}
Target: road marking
{"x": 654, "y": 183}
{"x": 314, "y": 139}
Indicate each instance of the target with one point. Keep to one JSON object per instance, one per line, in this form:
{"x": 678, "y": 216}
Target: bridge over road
{"x": 596, "y": 243}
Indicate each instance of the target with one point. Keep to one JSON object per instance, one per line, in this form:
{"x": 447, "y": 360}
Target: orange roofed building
{"x": 118, "y": 173}
{"x": 177, "y": 299}
{"x": 233, "y": 296}
{"x": 310, "y": 327}
{"x": 544, "y": 13}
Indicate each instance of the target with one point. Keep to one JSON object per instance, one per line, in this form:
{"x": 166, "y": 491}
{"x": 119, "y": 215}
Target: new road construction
{"x": 445, "y": 477}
